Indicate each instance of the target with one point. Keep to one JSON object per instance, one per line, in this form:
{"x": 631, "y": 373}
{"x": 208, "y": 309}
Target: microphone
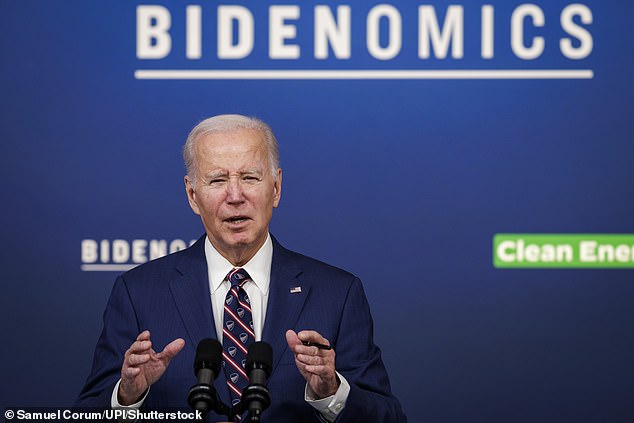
{"x": 256, "y": 397}
{"x": 202, "y": 396}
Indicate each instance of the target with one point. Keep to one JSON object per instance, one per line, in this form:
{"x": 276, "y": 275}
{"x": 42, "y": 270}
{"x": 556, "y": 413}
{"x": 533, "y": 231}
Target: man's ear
{"x": 277, "y": 188}
{"x": 191, "y": 195}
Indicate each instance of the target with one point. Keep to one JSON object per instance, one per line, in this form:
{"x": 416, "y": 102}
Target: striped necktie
{"x": 237, "y": 333}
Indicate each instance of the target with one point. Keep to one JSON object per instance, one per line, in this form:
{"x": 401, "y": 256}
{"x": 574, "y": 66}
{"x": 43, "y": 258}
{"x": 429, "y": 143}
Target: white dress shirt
{"x": 259, "y": 269}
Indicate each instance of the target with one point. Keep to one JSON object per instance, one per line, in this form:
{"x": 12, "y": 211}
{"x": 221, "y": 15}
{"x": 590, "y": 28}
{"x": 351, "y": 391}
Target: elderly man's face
{"x": 234, "y": 191}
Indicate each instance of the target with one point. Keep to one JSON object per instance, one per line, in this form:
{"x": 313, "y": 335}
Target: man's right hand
{"x": 142, "y": 366}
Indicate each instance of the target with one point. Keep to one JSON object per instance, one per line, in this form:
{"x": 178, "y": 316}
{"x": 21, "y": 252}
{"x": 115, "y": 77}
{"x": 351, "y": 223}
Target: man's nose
{"x": 234, "y": 191}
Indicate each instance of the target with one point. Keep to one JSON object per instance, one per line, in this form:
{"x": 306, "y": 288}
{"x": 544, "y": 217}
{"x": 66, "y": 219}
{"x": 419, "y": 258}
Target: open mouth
{"x": 236, "y": 219}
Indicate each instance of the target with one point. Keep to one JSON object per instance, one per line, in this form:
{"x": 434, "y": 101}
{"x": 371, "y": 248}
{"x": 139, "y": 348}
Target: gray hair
{"x": 228, "y": 123}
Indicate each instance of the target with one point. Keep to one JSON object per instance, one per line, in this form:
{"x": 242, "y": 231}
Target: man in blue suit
{"x": 158, "y": 312}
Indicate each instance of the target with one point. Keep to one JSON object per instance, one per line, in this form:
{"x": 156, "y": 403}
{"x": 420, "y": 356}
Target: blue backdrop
{"x": 379, "y": 174}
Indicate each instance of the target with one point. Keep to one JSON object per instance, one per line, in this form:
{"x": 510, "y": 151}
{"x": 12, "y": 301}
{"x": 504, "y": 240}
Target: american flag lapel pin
{"x": 296, "y": 290}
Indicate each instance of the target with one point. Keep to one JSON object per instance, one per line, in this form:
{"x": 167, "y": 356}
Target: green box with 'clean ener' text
{"x": 572, "y": 251}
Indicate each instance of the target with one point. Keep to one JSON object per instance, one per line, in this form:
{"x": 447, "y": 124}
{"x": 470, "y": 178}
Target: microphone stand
{"x": 253, "y": 393}
{"x": 204, "y": 397}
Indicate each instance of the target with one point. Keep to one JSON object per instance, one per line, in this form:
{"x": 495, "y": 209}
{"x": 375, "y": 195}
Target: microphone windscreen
{"x": 208, "y": 355}
{"x": 260, "y": 355}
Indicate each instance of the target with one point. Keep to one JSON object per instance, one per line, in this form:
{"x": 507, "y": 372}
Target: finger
{"x": 306, "y": 375}
{"x": 312, "y": 336}
{"x": 316, "y": 360}
{"x": 171, "y": 349}
{"x": 311, "y": 350}
{"x": 141, "y": 343}
{"x": 301, "y": 366}
{"x": 322, "y": 371}
{"x": 130, "y": 372}
{"x": 292, "y": 340}
{"x": 309, "y": 359}
{"x": 138, "y": 359}
{"x": 143, "y": 336}
{"x": 140, "y": 347}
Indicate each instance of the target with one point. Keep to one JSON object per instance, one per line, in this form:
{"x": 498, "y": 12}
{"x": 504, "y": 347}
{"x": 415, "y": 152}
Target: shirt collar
{"x": 259, "y": 267}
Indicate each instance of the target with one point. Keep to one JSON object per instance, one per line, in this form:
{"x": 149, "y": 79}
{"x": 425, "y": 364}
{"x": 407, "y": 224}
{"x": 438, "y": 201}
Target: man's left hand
{"x": 316, "y": 365}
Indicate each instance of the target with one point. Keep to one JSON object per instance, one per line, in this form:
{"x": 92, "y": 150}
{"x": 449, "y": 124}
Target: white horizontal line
{"x": 107, "y": 267}
{"x": 365, "y": 74}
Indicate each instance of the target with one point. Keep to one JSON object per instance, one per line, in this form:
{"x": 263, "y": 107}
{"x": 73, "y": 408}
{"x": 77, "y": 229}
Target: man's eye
{"x": 216, "y": 181}
{"x": 251, "y": 178}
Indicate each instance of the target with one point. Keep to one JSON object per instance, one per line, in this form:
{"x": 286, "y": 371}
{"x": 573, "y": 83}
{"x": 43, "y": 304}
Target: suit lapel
{"x": 190, "y": 291}
{"x": 285, "y": 301}
{"x": 192, "y": 297}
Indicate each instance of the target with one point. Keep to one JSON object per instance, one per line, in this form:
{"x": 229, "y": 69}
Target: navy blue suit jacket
{"x": 170, "y": 297}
